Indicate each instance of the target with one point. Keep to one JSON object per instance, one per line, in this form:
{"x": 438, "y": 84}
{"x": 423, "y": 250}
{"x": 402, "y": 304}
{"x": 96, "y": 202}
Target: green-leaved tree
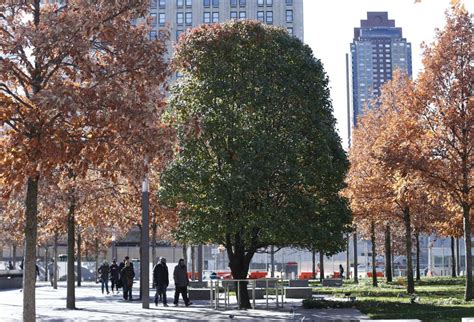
{"x": 259, "y": 161}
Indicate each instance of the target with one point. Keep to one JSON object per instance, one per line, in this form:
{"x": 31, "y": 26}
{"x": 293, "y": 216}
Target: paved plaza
{"x": 93, "y": 306}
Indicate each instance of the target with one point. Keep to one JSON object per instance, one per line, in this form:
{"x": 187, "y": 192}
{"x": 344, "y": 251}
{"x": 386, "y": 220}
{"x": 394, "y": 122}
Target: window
{"x": 215, "y": 17}
{"x": 260, "y": 3}
{"x": 215, "y": 3}
{"x": 153, "y": 35}
{"x": 207, "y": 3}
{"x": 178, "y": 33}
{"x": 153, "y": 19}
{"x": 153, "y": 4}
{"x": 189, "y": 3}
{"x": 233, "y": 15}
{"x": 269, "y": 3}
{"x": 289, "y": 15}
{"x": 161, "y": 19}
{"x": 269, "y": 17}
{"x": 179, "y": 18}
{"x": 242, "y": 15}
{"x": 260, "y": 16}
{"x": 290, "y": 30}
{"x": 233, "y": 3}
{"x": 179, "y": 3}
{"x": 162, "y": 4}
{"x": 207, "y": 17}
{"x": 289, "y": 2}
{"x": 242, "y": 3}
{"x": 189, "y": 18}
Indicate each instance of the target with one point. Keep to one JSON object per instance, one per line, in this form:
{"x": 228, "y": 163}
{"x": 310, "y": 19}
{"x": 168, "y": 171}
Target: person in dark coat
{"x": 121, "y": 266}
{"x": 127, "y": 274}
{"x": 181, "y": 282}
{"x": 341, "y": 271}
{"x": 104, "y": 271}
{"x": 161, "y": 280}
{"x": 114, "y": 275}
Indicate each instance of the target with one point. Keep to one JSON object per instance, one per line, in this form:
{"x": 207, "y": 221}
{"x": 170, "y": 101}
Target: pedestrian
{"x": 10, "y": 265}
{"x": 37, "y": 270}
{"x": 114, "y": 275}
{"x": 161, "y": 281}
{"x": 341, "y": 271}
{"x": 51, "y": 271}
{"x": 181, "y": 283}
{"x": 104, "y": 271}
{"x": 127, "y": 274}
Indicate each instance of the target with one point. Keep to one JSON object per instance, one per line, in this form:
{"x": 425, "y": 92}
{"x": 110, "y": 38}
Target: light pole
{"x": 144, "y": 260}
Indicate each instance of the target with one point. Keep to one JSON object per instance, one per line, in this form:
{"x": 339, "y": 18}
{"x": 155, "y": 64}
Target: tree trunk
{"x": 348, "y": 258}
{"x": 313, "y": 257}
{"x": 55, "y": 266}
{"x": 29, "y": 265}
{"x": 356, "y": 277}
{"x": 185, "y": 254}
{"x": 154, "y": 228}
{"x": 374, "y": 266}
{"x": 79, "y": 264}
{"x": 96, "y": 260}
{"x": 272, "y": 261}
{"x": 407, "y": 222}
{"x": 193, "y": 263}
{"x": 154, "y": 260}
{"x": 453, "y": 256}
{"x": 71, "y": 296}
{"x": 239, "y": 263}
{"x": 14, "y": 257}
{"x": 417, "y": 236}
{"x": 468, "y": 294}
{"x": 46, "y": 263}
{"x": 321, "y": 266}
{"x": 458, "y": 262}
{"x": 388, "y": 254}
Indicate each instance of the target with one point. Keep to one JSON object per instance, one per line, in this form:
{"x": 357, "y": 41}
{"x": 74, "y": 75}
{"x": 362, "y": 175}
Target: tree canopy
{"x": 259, "y": 161}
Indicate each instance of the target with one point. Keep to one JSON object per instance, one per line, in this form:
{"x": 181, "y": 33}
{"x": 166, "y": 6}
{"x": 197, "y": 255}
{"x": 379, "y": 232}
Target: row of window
{"x": 213, "y": 17}
{"x": 215, "y": 3}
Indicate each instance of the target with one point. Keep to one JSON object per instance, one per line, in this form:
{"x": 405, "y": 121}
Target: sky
{"x": 329, "y": 30}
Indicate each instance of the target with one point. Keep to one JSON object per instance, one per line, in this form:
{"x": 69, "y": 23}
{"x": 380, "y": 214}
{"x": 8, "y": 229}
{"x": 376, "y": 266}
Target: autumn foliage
{"x": 413, "y": 152}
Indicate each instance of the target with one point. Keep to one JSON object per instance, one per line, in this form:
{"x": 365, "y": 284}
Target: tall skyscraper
{"x": 179, "y": 15}
{"x": 377, "y": 50}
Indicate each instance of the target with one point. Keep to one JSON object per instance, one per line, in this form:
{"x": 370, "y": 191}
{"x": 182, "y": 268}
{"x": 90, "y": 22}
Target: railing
{"x": 270, "y": 284}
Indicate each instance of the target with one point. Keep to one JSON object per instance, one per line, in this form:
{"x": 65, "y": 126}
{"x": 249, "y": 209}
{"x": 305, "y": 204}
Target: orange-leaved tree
{"x": 77, "y": 81}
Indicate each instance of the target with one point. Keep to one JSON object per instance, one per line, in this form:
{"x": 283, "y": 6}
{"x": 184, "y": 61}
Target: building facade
{"x": 179, "y": 15}
{"x": 377, "y": 50}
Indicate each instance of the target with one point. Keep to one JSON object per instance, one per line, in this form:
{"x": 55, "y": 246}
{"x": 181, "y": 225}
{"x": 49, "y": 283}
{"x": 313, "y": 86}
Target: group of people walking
{"x": 122, "y": 275}
{"x": 161, "y": 282}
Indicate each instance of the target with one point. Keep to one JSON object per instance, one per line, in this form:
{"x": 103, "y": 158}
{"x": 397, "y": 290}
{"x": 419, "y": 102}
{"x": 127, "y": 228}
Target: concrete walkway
{"x": 93, "y": 306}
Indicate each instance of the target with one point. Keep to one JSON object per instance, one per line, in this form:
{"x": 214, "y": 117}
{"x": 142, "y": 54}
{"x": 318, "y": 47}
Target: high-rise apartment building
{"x": 377, "y": 50}
{"x": 179, "y": 15}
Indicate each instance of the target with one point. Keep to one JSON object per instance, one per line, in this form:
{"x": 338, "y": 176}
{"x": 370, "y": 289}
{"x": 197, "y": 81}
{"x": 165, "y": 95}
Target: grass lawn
{"x": 438, "y": 299}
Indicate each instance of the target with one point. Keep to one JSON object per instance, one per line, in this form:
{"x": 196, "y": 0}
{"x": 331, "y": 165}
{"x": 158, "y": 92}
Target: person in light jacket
{"x": 181, "y": 282}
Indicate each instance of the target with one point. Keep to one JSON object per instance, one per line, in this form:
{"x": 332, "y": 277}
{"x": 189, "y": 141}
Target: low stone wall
{"x": 298, "y": 292}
